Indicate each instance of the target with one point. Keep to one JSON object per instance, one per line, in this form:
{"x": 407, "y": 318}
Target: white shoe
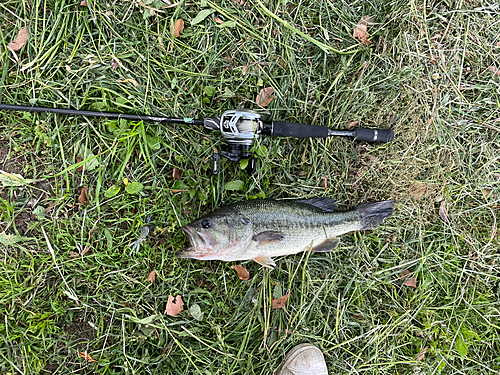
{"x": 304, "y": 359}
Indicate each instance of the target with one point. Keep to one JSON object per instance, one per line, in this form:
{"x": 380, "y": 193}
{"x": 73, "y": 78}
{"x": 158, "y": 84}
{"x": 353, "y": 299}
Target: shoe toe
{"x": 304, "y": 359}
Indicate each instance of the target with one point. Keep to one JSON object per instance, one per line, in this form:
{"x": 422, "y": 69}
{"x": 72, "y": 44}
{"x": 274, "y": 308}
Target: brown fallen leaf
{"x": 443, "y": 213}
{"x": 85, "y": 250}
{"x": 176, "y": 174}
{"x": 404, "y": 275}
{"x": 178, "y": 27}
{"x": 279, "y": 303}
{"x": 417, "y": 190}
{"x": 20, "y": 41}
{"x": 238, "y": 2}
{"x": 420, "y": 355}
{"x": 86, "y": 356}
{"x": 352, "y": 125}
{"x": 411, "y": 282}
{"x": 84, "y": 196}
{"x": 218, "y": 20}
{"x": 178, "y": 190}
{"x": 114, "y": 64}
{"x": 498, "y": 44}
{"x": 281, "y": 62}
{"x": 244, "y": 69}
{"x": 151, "y": 276}
{"x": 265, "y": 96}
{"x": 83, "y": 3}
{"x": 486, "y": 191}
{"x": 174, "y": 305}
{"x": 361, "y": 30}
{"x": 242, "y": 272}
{"x": 80, "y": 168}
{"x": 325, "y": 182}
{"x": 494, "y": 70}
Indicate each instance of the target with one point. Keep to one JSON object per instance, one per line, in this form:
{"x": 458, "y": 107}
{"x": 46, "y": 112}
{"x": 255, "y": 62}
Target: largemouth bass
{"x": 263, "y": 229}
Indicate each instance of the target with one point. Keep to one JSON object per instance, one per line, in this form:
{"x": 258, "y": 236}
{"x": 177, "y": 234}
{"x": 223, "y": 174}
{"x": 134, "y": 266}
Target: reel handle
{"x": 290, "y": 129}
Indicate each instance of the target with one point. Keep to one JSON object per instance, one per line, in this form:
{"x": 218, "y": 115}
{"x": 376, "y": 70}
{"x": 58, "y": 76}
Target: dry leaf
{"x": 411, "y": 282}
{"x": 279, "y": 303}
{"x": 352, "y": 125}
{"x": 151, "y": 276}
{"x": 174, "y": 305}
{"x": 443, "y": 213}
{"x": 360, "y": 31}
{"x": 420, "y": 355}
{"x": 85, "y": 250}
{"x": 178, "y": 190}
{"x": 176, "y": 174}
{"x": 325, "y": 182}
{"x": 244, "y": 70}
{"x": 83, "y": 3}
{"x": 498, "y": 44}
{"x": 404, "y": 275}
{"x": 417, "y": 190}
{"x": 86, "y": 356}
{"x": 114, "y": 64}
{"x": 218, "y": 20}
{"x": 238, "y": 2}
{"x": 265, "y": 96}
{"x": 80, "y": 168}
{"x": 243, "y": 274}
{"x": 494, "y": 70}
{"x": 486, "y": 191}
{"x": 84, "y": 196}
{"x": 281, "y": 62}
{"x": 178, "y": 27}
{"x": 20, "y": 41}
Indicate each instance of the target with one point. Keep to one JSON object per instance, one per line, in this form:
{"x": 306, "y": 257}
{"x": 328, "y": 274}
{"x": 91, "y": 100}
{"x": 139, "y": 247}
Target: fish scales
{"x": 303, "y": 225}
{"x": 263, "y": 229}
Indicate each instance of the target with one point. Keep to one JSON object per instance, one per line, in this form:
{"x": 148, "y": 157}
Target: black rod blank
{"x": 108, "y": 115}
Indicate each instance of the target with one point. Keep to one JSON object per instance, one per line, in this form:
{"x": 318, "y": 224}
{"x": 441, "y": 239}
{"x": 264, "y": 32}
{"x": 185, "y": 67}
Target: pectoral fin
{"x": 265, "y": 261}
{"x": 265, "y": 238}
{"x": 328, "y": 245}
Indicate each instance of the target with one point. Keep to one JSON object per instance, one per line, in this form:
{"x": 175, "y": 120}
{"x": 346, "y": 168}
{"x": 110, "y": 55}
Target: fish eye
{"x": 206, "y": 224}
{"x": 244, "y": 220}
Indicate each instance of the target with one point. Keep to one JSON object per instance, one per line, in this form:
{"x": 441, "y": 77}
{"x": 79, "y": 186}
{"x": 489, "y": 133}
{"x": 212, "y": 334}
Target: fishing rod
{"x": 239, "y": 127}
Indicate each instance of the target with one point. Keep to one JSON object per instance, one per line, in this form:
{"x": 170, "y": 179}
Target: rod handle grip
{"x": 374, "y": 135}
{"x": 290, "y": 129}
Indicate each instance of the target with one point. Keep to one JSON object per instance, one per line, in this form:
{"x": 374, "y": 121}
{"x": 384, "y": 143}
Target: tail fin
{"x": 372, "y": 214}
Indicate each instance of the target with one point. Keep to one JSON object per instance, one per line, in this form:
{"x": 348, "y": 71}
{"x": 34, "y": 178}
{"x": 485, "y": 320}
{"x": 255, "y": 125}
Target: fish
{"x": 263, "y": 229}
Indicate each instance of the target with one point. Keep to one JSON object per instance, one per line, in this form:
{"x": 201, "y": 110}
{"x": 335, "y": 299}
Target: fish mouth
{"x": 201, "y": 243}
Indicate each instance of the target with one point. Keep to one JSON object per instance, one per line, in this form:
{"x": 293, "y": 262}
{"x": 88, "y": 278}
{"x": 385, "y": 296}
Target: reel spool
{"x": 240, "y": 128}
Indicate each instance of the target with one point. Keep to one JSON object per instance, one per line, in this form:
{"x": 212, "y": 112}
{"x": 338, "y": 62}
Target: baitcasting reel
{"x": 240, "y": 128}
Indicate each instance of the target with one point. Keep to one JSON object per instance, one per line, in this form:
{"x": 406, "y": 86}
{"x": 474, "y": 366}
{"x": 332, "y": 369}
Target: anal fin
{"x": 265, "y": 261}
{"x": 328, "y": 245}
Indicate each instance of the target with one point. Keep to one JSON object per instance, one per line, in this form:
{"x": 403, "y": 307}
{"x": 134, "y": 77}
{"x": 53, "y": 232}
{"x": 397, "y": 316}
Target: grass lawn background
{"x": 430, "y": 74}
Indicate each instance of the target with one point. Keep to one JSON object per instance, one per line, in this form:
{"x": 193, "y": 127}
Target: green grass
{"x": 352, "y": 302}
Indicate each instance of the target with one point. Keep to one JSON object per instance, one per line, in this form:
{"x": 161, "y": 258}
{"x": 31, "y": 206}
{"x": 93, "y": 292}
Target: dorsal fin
{"x": 324, "y": 203}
